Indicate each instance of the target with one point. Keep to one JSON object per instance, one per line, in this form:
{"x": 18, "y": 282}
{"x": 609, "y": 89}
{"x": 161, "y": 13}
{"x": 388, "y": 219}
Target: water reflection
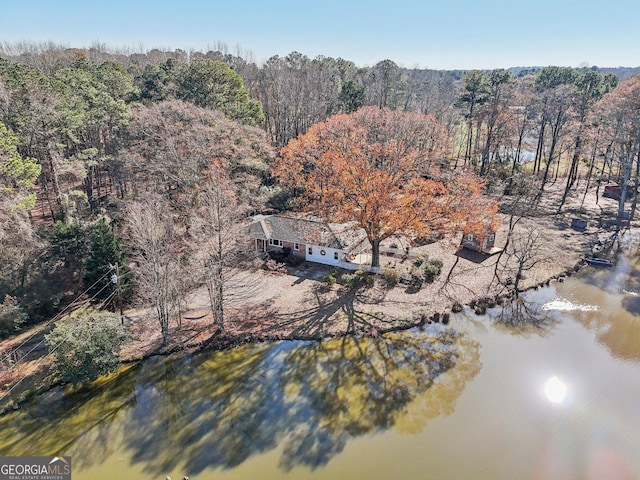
{"x": 555, "y": 390}
{"x": 616, "y": 320}
{"x": 216, "y": 410}
{"x": 54, "y": 422}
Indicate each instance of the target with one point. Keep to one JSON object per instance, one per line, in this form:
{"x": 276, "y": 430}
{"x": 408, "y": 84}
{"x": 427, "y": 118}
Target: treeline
{"x": 169, "y": 150}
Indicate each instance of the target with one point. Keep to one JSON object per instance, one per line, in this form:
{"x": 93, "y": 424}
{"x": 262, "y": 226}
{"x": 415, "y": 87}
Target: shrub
{"x": 274, "y": 266}
{"x": 419, "y": 260}
{"x": 329, "y": 279}
{"x": 357, "y": 278}
{"x": 87, "y": 347}
{"x": 436, "y": 262}
{"x": 350, "y": 279}
{"x": 432, "y": 269}
{"x": 390, "y": 276}
{"x": 368, "y": 279}
{"x": 416, "y": 280}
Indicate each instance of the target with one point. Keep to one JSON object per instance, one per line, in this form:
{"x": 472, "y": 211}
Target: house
{"x": 333, "y": 244}
{"x": 483, "y": 243}
{"x": 615, "y": 192}
{"x": 612, "y": 191}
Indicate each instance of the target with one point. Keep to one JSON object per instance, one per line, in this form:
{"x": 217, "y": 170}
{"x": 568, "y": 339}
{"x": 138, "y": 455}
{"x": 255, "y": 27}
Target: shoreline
{"x": 216, "y": 342}
{"x": 299, "y": 306}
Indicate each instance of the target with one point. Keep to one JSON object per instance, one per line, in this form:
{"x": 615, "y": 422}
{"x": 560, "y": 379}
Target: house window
{"x": 335, "y": 255}
{"x": 296, "y": 246}
{"x": 322, "y": 252}
{"x": 310, "y": 251}
{"x": 275, "y": 243}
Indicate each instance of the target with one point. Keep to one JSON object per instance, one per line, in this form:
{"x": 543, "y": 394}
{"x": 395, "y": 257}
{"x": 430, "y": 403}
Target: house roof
{"x": 306, "y": 231}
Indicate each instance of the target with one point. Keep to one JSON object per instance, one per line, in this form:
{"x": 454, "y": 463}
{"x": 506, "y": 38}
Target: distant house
{"x": 615, "y": 192}
{"x": 484, "y": 243}
{"x": 612, "y": 191}
{"x": 314, "y": 241}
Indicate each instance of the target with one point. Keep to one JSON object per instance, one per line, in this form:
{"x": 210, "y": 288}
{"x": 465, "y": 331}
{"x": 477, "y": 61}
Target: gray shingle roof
{"x": 302, "y": 230}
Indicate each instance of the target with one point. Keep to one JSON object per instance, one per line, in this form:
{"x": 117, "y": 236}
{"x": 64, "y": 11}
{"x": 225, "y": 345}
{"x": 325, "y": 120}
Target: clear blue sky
{"x": 443, "y": 34}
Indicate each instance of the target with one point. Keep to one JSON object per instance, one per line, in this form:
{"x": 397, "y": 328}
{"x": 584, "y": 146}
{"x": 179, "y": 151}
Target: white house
{"x": 315, "y": 241}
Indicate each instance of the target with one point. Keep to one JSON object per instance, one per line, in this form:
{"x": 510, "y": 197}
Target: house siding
{"x": 298, "y": 253}
{"x": 276, "y": 233}
{"x": 479, "y": 243}
{"x": 327, "y": 259}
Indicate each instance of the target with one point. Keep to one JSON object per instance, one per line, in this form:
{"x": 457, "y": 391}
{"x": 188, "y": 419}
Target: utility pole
{"x": 115, "y": 279}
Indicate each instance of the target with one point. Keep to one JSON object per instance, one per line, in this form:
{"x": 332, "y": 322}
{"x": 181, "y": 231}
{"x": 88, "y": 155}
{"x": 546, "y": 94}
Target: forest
{"x": 126, "y": 178}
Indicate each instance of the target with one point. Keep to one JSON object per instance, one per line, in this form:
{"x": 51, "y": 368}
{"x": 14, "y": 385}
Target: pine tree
{"x": 107, "y": 276}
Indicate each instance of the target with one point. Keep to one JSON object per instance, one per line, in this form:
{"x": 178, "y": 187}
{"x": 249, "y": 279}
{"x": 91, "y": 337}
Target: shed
{"x": 483, "y": 243}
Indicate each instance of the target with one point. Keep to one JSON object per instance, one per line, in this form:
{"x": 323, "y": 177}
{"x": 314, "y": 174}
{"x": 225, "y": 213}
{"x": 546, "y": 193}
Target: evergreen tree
{"x": 87, "y": 348}
{"x": 107, "y": 276}
{"x": 352, "y": 96}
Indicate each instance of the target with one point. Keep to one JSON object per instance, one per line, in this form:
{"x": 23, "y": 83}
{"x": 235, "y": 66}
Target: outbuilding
{"x": 483, "y": 243}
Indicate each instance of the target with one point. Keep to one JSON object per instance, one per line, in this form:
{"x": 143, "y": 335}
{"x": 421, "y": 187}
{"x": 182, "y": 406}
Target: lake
{"x": 471, "y": 400}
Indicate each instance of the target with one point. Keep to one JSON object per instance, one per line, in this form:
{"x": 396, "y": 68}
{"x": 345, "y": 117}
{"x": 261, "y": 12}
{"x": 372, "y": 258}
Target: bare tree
{"x": 157, "y": 260}
{"x": 621, "y": 107}
{"x": 522, "y": 253}
{"x": 500, "y": 86}
{"x": 219, "y": 248}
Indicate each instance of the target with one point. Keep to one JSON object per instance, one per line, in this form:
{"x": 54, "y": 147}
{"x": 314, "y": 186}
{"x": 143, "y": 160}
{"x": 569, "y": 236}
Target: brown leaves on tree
{"x": 175, "y": 143}
{"x": 380, "y": 168}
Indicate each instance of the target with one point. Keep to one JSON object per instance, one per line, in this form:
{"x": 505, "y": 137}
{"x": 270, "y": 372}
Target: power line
{"x": 58, "y": 315}
{"x": 55, "y": 318}
{"x": 71, "y": 331}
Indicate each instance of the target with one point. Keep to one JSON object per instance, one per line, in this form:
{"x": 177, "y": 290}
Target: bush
{"x": 419, "y": 260}
{"x": 330, "y": 278}
{"x": 390, "y": 276}
{"x": 350, "y": 279}
{"x": 87, "y": 347}
{"x": 432, "y": 269}
{"x": 368, "y": 278}
{"x": 357, "y": 278}
{"x": 272, "y": 265}
{"x": 436, "y": 262}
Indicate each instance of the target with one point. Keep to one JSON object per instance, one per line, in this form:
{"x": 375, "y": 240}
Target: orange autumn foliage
{"x": 379, "y": 169}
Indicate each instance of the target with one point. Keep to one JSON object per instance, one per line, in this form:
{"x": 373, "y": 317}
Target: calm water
{"x": 471, "y": 401}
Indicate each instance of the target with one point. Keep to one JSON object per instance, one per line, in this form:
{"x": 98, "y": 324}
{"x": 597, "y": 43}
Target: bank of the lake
{"x": 300, "y": 305}
{"x": 472, "y": 399}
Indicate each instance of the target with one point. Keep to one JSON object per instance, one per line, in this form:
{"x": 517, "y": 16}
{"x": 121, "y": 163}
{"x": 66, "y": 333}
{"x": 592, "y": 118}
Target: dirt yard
{"x": 300, "y": 305}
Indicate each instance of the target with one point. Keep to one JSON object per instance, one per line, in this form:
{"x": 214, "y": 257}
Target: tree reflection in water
{"x": 215, "y": 410}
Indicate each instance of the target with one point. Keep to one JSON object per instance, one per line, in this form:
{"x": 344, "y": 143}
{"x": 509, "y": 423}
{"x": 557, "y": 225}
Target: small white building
{"x": 337, "y": 245}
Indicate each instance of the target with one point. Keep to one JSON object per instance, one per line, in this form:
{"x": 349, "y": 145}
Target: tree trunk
{"x": 624, "y": 181}
{"x": 590, "y": 174}
{"x": 375, "y": 253}
{"x": 573, "y": 170}
{"x": 486, "y": 149}
{"x": 537, "y": 161}
{"x": 467, "y": 155}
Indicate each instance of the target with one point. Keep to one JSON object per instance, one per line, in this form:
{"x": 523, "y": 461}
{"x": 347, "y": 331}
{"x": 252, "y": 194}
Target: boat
{"x": 599, "y": 262}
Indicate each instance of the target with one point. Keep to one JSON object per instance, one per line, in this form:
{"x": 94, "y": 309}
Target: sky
{"x": 444, "y": 34}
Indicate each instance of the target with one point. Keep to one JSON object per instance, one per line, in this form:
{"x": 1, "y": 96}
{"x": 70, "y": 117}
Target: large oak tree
{"x": 379, "y": 168}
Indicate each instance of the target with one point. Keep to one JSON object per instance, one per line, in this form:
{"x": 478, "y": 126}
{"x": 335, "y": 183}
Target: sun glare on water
{"x": 555, "y": 390}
